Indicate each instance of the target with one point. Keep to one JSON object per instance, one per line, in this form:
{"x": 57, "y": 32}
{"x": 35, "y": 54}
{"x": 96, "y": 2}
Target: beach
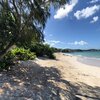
{"x": 83, "y": 76}
{"x": 73, "y": 70}
{"x": 45, "y": 79}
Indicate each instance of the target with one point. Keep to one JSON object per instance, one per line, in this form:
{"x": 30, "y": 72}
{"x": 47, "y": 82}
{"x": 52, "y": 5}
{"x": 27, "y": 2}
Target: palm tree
{"x": 24, "y": 21}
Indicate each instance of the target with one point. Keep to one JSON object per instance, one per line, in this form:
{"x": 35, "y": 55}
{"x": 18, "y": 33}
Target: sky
{"x": 76, "y": 25}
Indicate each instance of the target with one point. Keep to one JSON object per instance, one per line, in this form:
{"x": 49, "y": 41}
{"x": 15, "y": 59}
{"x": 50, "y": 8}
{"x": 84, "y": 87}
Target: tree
{"x": 22, "y": 21}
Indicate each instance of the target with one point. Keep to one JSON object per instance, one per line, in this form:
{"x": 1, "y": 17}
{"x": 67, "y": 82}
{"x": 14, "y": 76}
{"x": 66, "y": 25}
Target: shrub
{"x": 16, "y": 54}
{"x": 21, "y": 54}
{"x": 42, "y": 50}
{"x": 38, "y": 49}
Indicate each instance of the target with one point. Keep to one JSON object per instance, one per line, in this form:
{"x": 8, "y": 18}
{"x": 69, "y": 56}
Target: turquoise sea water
{"x": 88, "y": 57}
{"x": 91, "y": 54}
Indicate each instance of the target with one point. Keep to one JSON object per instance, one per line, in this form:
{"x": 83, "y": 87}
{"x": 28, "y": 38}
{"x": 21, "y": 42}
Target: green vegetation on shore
{"x": 14, "y": 55}
{"x": 73, "y": 50}
{"x": 42, "y": 50}
{"x": 21, "y": 24}
{"x": 36, "y": 50}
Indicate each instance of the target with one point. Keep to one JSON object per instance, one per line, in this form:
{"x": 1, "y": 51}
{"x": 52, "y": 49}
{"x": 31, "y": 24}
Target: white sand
{"x": 74, "y": 71}
{"x": 45, "y": 79}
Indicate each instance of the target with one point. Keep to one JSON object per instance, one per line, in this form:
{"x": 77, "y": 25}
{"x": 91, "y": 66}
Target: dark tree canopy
{"x": 23, "y": 21}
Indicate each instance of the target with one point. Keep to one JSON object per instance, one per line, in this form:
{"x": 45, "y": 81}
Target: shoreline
{"x": 85, "y": 78}
{"x": 92, "y": 61}
{"x": 84, "y": 65}
{"x": 89, "y": 61}
{"x": 74, "y": 70}
{"x": 45, "y": 79}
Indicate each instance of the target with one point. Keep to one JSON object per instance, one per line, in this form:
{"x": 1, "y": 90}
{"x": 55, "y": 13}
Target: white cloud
{"x": 94, "y": 1}
{"x": 78, "y": 43}
{"x": 87, "y": 12}
{"x": 95, "y": 19}
{"x": 52, "y": 42}
{"x": 64, "y": 11}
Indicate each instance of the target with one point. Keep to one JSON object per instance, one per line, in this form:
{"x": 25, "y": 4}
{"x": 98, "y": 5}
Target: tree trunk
{"x": 3, "y": 53}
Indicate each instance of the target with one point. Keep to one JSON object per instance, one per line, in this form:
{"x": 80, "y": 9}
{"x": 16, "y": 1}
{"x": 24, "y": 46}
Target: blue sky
{"x": 76, "y": 25}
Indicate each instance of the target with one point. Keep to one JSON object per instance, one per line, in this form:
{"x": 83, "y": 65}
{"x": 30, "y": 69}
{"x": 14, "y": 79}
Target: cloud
{"x": 95, "y": 19}
{"x": 64, "y": 11}
{"x": 78, "y": 43}
{"x": 52, "y": 42}
{"x": 94, "y": 1}
{"x": 87, "y": 12}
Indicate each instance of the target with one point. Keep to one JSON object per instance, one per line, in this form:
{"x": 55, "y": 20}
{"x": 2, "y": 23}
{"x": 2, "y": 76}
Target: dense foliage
{"x": 22, "y": 23}
{"x": 20, "y": 54}
{"x": 42, "y": 50}
{"x": 16, "y": 54}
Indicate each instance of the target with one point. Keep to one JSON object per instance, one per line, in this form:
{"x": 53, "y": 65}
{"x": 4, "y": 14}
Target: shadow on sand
{"x": 30, "y": 81}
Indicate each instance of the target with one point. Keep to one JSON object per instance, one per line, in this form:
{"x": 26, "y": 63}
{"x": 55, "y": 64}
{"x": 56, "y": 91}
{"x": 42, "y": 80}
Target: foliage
{"x": 49, "y": 51}
{"x": 20, "y": 54}
{"x": 16, "y": 54}
{"x": 42, "y": 50}
{"x": 7, "y": 26}
{"x": 23, "y": 21}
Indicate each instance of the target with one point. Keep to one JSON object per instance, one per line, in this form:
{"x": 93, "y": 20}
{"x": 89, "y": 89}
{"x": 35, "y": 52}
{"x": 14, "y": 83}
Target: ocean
{"x": 93, "y": 54}
{"x": 88, "y": 57}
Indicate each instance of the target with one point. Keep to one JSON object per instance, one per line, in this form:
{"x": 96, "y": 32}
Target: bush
{"x": 21, "y": 54}
{"x": 16, "y": 54}
{"x": 42, "y": 50}
{"x": 38, "y": 49}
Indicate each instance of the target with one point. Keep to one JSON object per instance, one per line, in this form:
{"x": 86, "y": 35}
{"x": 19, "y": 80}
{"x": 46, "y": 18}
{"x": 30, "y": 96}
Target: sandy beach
{"x": 74, "y": 70}
{"x": 44, "y": 79}
{"x": 76, "y": 73}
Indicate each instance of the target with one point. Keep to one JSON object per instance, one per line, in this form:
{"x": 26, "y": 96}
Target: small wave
{"x": 67, "y": 54}
{"x": 85, "y": 57}
{"x": 89, "y": 61}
